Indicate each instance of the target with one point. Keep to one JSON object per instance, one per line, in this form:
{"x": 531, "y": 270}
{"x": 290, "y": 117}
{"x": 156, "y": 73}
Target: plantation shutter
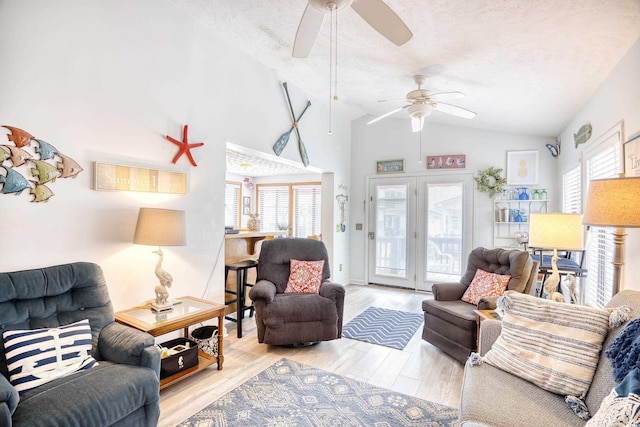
{"x": 232, "y": 205}
{"x": 306, "y": 210}
{"x": 572, "y": 191}
{"x": 273, "y": 207}
{"x": 603, "y": 163}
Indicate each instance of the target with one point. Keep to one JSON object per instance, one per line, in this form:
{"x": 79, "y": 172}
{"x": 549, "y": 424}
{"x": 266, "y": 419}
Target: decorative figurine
{"x": 253, "y": 224}
{"x": 162, "y": 294}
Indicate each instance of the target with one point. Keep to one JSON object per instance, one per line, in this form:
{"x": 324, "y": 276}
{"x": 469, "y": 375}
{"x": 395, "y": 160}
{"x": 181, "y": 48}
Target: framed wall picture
{"x": 522, "y": 167}
{"x": 631, "y": 150}
{"x": 246, "y": 201}
{"x": 246, "y": 210}
{"x": 447, "y": 161}
{"x": 390, "y": 166}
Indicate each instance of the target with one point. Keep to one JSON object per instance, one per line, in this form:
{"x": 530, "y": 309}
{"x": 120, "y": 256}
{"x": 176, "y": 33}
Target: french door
{"x": 420, "y": 229}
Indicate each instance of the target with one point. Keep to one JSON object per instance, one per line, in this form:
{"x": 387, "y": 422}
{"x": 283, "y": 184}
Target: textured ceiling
{"x": 526, "y": 66}
{"x": 246, "y": 162}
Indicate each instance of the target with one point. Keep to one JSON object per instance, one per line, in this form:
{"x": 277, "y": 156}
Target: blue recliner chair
{"x": 123, "y": 389}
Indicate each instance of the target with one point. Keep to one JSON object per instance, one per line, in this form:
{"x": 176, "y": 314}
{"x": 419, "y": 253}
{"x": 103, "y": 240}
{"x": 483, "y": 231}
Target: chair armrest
{"x": 488, "y": 303}
{"x": 448, "y": 291}
{"x": 123, "y": 344}
{"x": 263, "y": 290}
{"x": 9, "y": 399}
{"x": 331, "y": 290}
{"x": 489, "y": 332}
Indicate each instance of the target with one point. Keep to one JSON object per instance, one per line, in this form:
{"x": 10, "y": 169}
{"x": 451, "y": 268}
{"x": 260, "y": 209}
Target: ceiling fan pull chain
{"x": 335, "y": 80}
{"x": 331, "y": 69}
{"x": 420, "y": 157}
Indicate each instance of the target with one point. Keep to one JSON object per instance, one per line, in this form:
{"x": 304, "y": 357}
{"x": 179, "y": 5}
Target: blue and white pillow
{"x": 622, "y": 406}
{"x": 35, "y": 357}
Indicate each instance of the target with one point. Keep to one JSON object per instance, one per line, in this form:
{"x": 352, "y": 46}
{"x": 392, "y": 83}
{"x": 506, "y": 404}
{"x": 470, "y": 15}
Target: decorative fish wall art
{"x": 31, "y": 164}
{"x": 583, "y": 135}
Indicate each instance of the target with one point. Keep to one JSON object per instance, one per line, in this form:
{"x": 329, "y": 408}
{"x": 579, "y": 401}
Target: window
{"x": 572, "y": 191}
{"x": 232, "y": 193}
{"x": 602, "y": 162}
{"x": 293, "y": 207}
{"x": 306, "y": 210}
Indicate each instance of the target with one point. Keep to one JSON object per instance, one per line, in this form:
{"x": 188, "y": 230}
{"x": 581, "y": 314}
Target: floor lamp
{"x": 614, "y": 202}
{"x": 161, "y": 227}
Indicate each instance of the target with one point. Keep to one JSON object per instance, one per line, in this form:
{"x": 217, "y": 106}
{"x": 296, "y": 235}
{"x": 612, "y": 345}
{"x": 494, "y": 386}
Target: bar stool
{"x": 242, "y": 273}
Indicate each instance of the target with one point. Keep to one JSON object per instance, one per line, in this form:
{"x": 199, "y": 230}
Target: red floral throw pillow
{"x": 485, "y": 284}
{"x": 305, "y": 277}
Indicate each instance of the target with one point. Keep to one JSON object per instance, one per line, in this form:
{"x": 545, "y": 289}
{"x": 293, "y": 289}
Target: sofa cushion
{"x": 553, "y": 345}
{"x": 37, "y": 356}
{"x": 622, "y": 406}
{"x": 101, "y": 396}
{"x": 305, "y": 277}
{"x": 485, "y": 284}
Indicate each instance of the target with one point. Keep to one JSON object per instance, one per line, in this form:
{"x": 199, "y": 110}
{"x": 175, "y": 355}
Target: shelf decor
{"x": 631, "y": 150}
{"x": 491, "y": 181}
{"x": 522, "y": 167}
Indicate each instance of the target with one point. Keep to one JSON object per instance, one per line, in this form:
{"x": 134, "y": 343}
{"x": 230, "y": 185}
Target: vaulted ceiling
{"x": 525, "y": 66}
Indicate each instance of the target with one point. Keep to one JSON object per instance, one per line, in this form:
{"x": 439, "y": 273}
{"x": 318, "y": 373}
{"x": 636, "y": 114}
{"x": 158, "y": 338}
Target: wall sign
{"x": 447, "y": 161}
{"x": 631, "y": 150}
{"x": 109, "y": 177}
{"x": 390, "y": 166}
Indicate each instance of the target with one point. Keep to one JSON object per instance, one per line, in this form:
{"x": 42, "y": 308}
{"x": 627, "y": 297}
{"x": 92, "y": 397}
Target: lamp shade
{"x": 613, "y": 202}
{"x": 556, "y": 231}
{"x": 160, "y": 227}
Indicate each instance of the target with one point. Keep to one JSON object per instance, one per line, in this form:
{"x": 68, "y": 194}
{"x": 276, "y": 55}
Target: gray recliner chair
{"x": 295, "y": 318}
{"x": 450, "y": 323}
{"x": 123, "y": 389}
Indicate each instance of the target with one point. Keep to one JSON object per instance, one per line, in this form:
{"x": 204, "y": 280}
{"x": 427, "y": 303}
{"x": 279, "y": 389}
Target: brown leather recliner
{"x": 450, "y": 323}
{"x": 295, "y": 318}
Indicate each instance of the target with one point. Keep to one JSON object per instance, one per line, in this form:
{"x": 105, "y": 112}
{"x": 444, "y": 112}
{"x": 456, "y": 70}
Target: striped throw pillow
{"x": 35, "y": 357}
{"x": 554, "y": 345}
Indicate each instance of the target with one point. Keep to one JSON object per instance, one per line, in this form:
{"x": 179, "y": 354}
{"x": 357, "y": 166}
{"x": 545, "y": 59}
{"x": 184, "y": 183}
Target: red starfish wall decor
{"x": 185, "y": 147}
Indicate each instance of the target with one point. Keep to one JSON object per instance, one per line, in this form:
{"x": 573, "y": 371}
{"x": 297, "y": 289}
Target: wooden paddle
{"x": 278, "y": 147}
{"x": 301, "y": 147}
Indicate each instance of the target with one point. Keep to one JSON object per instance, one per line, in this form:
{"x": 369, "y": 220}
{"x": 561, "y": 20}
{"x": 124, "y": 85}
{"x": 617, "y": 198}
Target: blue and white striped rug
{"x": 390, "y": 328}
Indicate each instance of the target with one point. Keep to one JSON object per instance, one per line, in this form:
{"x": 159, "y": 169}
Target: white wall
{"x": 392, "y": 139}
{"x": 618, "y": 98}
{"x": 105, "y": 81}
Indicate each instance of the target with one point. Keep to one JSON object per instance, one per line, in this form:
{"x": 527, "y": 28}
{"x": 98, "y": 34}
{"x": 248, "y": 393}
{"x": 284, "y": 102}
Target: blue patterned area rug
{"x": 390, "y": 328}
{"x": 291, "y": 394}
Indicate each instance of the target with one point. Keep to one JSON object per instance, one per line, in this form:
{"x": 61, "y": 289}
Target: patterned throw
{"x": 390, "y": 328}
{"x": 292, "y": 394}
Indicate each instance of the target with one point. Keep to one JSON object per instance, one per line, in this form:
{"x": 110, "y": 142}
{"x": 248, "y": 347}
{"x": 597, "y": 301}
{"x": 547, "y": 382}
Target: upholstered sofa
{"x": 295, "y": 318}
{"x": 493, "y": 397}
{"x": 122, "y": 390}
{"x": 450, "y": 323}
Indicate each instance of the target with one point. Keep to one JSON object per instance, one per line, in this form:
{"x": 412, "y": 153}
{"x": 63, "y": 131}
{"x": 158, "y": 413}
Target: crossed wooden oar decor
{"x": 282, "y": 141}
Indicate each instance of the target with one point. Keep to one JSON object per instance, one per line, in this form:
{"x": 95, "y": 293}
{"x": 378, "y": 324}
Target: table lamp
{"x": 614, "y": 202}
{"x": 555, "y": 230}
{"x": 160, "y": 227}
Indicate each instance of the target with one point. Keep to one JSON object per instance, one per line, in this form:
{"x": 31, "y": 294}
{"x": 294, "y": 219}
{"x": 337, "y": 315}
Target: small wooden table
{"x": 189, "y": 312}
{"x": 484, "y": 315}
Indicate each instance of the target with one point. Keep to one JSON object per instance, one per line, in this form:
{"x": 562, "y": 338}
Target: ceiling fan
{"x": 422, "y": 103}
{"x": 375, "y": 12}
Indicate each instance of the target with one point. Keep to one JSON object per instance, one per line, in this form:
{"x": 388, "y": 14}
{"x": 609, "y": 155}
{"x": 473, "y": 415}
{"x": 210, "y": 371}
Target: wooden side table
{"x": 484, "y": 315}
{"x": 190, "y": 311}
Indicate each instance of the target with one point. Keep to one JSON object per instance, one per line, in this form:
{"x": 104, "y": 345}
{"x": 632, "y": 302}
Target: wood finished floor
{"x": 420, "y": 370}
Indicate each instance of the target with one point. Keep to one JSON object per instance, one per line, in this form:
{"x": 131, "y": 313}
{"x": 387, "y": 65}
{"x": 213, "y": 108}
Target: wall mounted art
{"x": 447, "y": 161}
{"x": 108, "y": 177}
{"x": 284, "y": 138}
{"x": 390, "y": 166}
{"x": 583, "y": 135}
{"x": 35, "y": 164}
{"x": 184, "y": 146}
{"x": 522, "y": 167}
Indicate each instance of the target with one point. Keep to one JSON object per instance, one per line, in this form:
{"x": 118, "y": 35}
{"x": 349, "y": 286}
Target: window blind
{"x": 572, "y": 191}
{"x": 599, "y": 289}
{"x": 232, "y": 205}
{"x": 306, "y": 210}
{"x": 273, "y": 207}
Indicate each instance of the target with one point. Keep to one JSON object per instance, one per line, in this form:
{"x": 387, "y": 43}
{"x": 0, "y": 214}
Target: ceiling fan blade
{"x": 447, "y": 96}
{"x": 383, "y": 19}
{"x": 454, "y": 110}
{"x": 386, "y": 114}
{"x": 307, "y": 33}
{"x": 417, "y": 123}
